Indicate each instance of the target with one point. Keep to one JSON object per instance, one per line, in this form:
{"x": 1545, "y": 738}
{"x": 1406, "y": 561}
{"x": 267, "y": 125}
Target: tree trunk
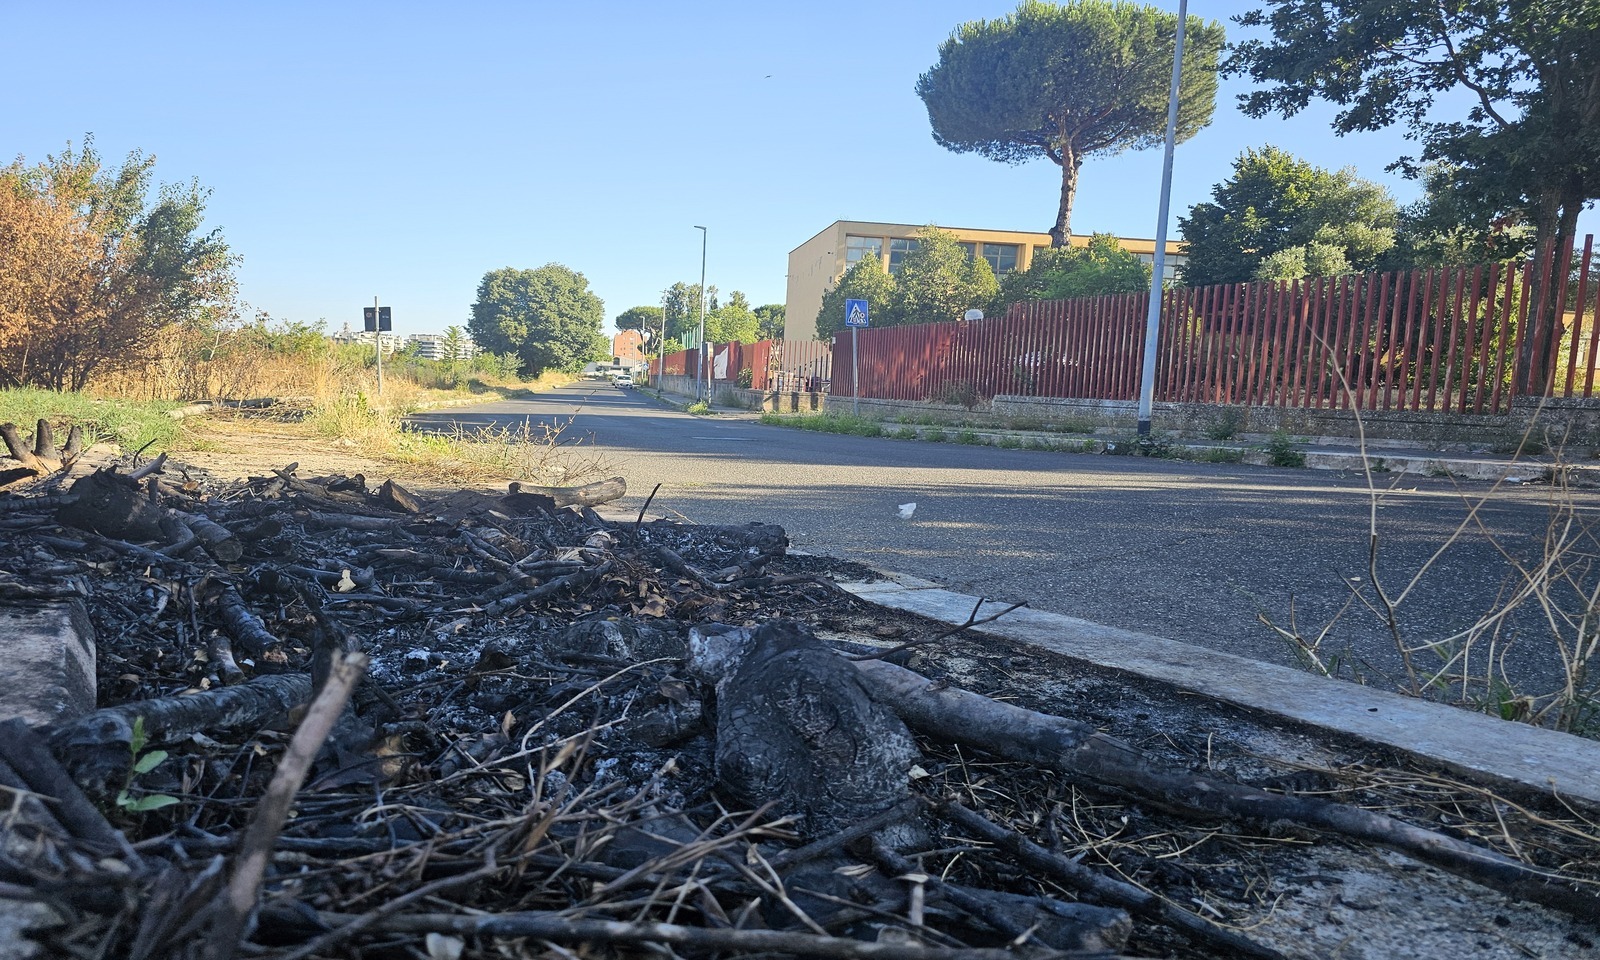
{"x": 1071, "y": 164}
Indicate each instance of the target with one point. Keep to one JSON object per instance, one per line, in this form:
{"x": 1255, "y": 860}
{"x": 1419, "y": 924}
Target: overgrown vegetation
{"x": 130, "y": 425}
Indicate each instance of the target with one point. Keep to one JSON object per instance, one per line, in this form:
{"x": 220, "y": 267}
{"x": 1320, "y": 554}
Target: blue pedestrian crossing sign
{"x": 855, "y": 313}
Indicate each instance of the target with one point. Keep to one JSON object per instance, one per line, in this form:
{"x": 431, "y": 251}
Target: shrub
{"x": 1281, "y": 451}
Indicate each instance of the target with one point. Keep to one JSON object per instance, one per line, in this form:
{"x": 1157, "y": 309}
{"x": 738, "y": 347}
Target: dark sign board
{"x": 376, "y": 318}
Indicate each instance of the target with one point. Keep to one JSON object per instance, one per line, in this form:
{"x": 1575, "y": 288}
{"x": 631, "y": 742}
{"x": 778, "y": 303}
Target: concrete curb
{"x": 1469, "y": 744}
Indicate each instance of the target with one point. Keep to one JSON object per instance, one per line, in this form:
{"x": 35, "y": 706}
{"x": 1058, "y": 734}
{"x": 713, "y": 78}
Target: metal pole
{"x": 855, "y": 376}
{"x": 661, "y": 346}
{"x": 704, "y": 373}
{"x": 1152, "y": 325}
{"x": 377, "y": 340}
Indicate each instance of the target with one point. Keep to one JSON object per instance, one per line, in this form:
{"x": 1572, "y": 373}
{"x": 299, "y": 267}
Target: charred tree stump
{"x": 111, "y": 505}
{"x": 796, "y": 726}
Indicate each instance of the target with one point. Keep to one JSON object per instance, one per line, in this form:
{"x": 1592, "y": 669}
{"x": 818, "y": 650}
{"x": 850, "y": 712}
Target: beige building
{"x": 816, "y": 265}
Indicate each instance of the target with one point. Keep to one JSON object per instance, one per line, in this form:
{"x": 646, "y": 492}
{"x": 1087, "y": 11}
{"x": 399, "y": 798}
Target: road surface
{"x": 1194, "y": 552}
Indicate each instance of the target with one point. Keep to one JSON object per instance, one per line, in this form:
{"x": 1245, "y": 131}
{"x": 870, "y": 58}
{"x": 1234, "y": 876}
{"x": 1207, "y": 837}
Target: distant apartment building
{"x": 392, "y": 342}
{"x": 436, "y": 346}
{"x": 816, "y": 265}
{"x": 628, "y": 347}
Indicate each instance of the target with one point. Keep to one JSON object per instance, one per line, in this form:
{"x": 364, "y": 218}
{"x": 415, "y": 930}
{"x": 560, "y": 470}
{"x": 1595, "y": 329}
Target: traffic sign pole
{"x": 855, "y": 317}
{"x": 377, "y": 340}
{"x": 855, "y": 375}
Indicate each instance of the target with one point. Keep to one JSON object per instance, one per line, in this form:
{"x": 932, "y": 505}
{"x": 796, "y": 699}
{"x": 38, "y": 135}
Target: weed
{"x": 143, "y": 762}
{"x": 699, "y": 409}
{"x": 1153, "y": 445}
{"x": 969, "y": 437}
{"x": 1281, "y": 451}
{"x": 131, "y": 425}
{"x": 936, "y": 436}
{"x": 1227, "y": 425}
{"x": 956, "y": 393}
{"x": 1008, "y": 442}
{"x": 1024, "y": 423}
{"x": 1220, "y": 455}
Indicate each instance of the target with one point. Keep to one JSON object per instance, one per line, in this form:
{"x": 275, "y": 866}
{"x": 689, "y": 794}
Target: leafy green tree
{"x": 548, "y": 317}
{"x": 1275, "y": 201}
{"x": 1062, "y": 273}
{"x": 643, "y": 319}
{"x": 770, "y": 319}
{"x": 681, "y": 301}
{"x": 1450, "y": 226}
{"x": 1068, "y": 82}
{"x": 939, "y": 281}
{"x": 733, "y": 321}
{"x": 91, "y": 271}
{"x": 865, "y": 280}
{"x": 1529, "y": 141}
{"x": 1297, "y": 263}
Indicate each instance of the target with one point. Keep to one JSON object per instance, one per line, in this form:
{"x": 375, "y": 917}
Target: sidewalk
{"x": 1390, "y": 458}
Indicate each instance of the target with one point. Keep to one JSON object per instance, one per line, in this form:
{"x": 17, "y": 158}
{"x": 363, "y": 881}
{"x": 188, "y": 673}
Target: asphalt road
{"x": 1194, "y": 552}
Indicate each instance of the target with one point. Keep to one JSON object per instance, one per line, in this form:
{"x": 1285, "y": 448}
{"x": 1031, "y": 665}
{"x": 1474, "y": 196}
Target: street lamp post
{"x": 704, "y": 371}
{"x": 1152, "y": 327}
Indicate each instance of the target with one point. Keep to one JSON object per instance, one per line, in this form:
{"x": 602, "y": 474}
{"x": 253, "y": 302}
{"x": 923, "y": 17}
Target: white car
{"x": 622, "y": 379}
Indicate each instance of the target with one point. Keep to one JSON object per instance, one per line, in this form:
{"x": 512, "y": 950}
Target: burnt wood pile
{"x": 346, "y": 720}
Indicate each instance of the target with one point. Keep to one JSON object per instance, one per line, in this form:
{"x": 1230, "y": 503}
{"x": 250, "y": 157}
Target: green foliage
{"x": 643, "y": 319}
{"x": 968, "y": 437}
{"x": 699, "y": 408}
{"x": 682, "y": 304}
{"x": 938, "y": 281}
{"x": 127, "y": 424}
{"x": 1062, "y": 273}
{"x": 1067, "y": 82}
{"x": 865, "y": 280}
{"x": 770, "y": 319}
{"x": 1275, "y": 202}
{"x": 745, "y": 379}
{"x": 1226, "y": 426}
{"x": 547, "y": 317}
{"x": 733, "y": 321}
{"x": 1448, "y": 226}
{"x": 143, "y": 763}
{"x": 1528, "y": 142}
{"x": 1281, "y": 451}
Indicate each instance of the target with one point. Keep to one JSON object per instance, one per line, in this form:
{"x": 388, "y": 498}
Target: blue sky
{"x": 404, "y": 149}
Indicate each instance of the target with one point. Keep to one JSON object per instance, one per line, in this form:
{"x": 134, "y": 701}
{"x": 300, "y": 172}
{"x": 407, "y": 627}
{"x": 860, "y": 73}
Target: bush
{"x": 1281, "y": 451}
{"x": 745, "y": 379}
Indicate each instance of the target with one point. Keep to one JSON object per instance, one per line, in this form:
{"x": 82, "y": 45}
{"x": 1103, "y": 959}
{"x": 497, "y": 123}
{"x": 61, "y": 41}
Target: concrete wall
{"x": 1554, "y": 422}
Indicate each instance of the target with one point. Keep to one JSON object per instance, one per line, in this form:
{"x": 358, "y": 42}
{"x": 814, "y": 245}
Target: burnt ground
{"x": 528, "y": 743}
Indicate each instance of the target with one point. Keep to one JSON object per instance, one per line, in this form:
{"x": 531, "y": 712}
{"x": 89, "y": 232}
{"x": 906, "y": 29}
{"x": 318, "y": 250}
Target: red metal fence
{"x": 1437, "y": 339}
{"x": 783, "y": 365}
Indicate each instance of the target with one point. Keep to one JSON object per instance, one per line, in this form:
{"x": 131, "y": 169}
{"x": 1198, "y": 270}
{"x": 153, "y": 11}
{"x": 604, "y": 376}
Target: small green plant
{"x": 969, "y": 437}
{"x": 143, "y": 762}
{"x": 1153, "y": 445}
{"x": 906, "y": 433}
{"x": 1036, "y": 443}
{"x": 1227, "y": 426}
{"x": 699, "y": 408}
{"x": 1008, "y": 443}
{"x": 1221, "y": 455}
{"x": 936, "y": 436}
{"x": 955, "y": 393}
{"x": 1281, "y": 451}
{"x": 745, "y": 378}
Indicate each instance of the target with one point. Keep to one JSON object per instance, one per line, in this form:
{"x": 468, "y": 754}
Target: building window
{"x": 971, "y": 250}
{"x": 857, "y": 247}
{"x": 898, "y": 248}
{"x": 1002, "y": 257}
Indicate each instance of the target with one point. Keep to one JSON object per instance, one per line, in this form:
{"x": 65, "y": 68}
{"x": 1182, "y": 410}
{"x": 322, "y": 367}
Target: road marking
{"x": 734, "y": 439}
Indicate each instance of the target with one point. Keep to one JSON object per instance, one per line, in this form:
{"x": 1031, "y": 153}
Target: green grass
{"x": 969, "y": 437}
{"x": 829, "y": 423}
{"x": 128, "y": 424}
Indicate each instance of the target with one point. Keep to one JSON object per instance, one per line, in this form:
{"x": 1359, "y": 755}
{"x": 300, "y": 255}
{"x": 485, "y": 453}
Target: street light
{"x": 704, "y": 371}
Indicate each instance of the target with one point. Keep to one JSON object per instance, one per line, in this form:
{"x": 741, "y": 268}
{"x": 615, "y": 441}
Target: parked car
{"x": 622, "y": 379}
